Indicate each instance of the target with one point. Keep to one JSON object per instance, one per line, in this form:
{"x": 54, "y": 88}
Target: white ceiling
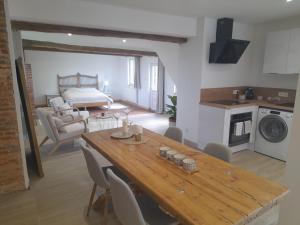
{"x": 251, "y": 11}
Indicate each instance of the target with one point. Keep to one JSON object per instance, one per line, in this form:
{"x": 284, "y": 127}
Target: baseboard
{"x": 190, "y": 143}
{"x": 239, "y": 147}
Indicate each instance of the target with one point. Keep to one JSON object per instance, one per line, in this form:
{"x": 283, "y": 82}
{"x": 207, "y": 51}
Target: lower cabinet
{"x": 220, "y": 125}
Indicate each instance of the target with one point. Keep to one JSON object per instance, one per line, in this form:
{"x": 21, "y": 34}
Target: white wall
{"x": 92, "y": 14}
{"x": 195, "y": 72}
{"x": 222, "y": 75}
{"x": 271, "y": 80}
{"x": 289, "y": 213}
{"x": 121, "y": 89}
{"x": 189, "y": 83}
{"x": 119, "y": 83}
{"x": 167, "y": 52}
{"x": 46, "y": 66}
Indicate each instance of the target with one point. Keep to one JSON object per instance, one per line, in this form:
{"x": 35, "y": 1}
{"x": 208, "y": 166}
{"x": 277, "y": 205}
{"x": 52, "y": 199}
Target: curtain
{"x": 160, "y": 87}
{"x": 137, "y": 72}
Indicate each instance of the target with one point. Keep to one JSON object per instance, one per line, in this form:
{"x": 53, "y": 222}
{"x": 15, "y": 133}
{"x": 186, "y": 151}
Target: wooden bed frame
{"x": 79, "y": 81}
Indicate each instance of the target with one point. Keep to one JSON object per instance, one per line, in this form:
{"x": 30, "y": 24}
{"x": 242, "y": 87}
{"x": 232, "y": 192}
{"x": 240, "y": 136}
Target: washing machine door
{"x": 273, "y": 128}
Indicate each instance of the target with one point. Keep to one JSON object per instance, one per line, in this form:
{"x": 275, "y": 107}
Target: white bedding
{"x": 85, "y": 95}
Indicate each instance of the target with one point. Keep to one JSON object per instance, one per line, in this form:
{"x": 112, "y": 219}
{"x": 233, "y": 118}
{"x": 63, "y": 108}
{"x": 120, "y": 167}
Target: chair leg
{"x": 44, "y": 141}
{"x": 105, "y": 214}
{"x": 91, "y": 199}
{"x": 99, "y": 203}
{"x": 55, "y": 148}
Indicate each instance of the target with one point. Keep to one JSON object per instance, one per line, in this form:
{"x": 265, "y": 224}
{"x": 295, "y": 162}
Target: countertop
{"x": 249, "y": 103}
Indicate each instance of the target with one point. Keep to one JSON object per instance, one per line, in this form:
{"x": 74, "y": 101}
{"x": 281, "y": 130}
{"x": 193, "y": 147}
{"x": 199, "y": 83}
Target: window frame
{"x": 151, "y": 76}
{"x": 130, "y": 71}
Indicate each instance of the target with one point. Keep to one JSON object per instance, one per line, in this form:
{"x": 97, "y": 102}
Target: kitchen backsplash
{"x": 213, "y": 94}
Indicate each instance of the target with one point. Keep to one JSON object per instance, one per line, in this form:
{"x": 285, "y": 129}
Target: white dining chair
{"x": 129, "y": 211}
{"x": 174, "y": 133}
{"x": 219, "y": 151}
{"x": 96, "y": 164}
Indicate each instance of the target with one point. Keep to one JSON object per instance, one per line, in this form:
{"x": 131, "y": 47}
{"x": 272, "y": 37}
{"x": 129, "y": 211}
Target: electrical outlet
{"x": 283, "y": 94}
{"x": 235, "y": 92}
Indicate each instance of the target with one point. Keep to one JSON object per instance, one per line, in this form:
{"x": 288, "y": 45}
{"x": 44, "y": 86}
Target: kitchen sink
{"x": 229, "y": 102}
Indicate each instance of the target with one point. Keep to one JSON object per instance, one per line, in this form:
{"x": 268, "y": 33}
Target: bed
{"x": 82, "y": 91}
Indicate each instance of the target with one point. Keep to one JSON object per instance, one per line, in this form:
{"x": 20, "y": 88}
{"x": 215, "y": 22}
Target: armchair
{"x": 62, "y": 108}
{"x": 60, "y": 129}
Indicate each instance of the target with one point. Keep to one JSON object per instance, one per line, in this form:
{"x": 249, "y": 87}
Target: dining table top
{"x": 217, "y": 194}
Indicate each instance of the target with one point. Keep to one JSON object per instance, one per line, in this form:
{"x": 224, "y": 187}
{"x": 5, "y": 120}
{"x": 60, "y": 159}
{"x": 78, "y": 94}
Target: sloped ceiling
{"x": 250, "y": 11}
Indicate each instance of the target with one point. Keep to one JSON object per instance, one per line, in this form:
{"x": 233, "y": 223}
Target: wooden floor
{"x": 261, "y": 165}
{"x": 61, "y": 197}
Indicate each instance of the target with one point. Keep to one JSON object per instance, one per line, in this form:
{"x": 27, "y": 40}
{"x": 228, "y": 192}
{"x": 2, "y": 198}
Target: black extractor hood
{"x": 226, "y": 50}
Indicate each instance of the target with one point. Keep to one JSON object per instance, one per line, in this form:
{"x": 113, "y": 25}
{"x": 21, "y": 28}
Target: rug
{"x": 133, "y": 110}
{"x": 115, "y": 106}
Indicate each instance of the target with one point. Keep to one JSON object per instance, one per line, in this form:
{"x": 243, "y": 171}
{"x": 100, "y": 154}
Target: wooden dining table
{"x": 217, "y": 194}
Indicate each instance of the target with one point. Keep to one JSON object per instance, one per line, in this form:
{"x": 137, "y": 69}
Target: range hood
{"x": 226, "y": 50}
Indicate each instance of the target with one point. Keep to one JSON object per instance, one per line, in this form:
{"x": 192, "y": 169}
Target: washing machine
{"x": 273, "y": 132}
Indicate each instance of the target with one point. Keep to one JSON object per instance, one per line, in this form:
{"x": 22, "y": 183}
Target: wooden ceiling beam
{"x": 57, "y": 47}
{"x": 54, "y": 28}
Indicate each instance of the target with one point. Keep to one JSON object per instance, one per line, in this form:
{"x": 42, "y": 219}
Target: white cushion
{"x": 59, "y": 123}
{"x": 84, "y": 114}
{"x": 43, "y": 116}
{"x": 74, "y": 127}
{"x": 72, "y": 130}
{"x": 68, "y": 118}
{"x": 56, "y": 102}
{"x": 65, "y": 106}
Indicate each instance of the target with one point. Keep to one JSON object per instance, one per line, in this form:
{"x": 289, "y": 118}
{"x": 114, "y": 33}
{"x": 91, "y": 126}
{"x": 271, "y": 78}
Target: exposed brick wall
{"x": 29, "y": 85}
{"x": 11, "y": 169}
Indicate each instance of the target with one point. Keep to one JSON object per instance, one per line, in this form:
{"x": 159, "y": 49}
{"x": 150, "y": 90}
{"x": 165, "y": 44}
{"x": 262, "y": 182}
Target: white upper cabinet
{"x": 293, "y": 63}
{"x": 276, "y": 52}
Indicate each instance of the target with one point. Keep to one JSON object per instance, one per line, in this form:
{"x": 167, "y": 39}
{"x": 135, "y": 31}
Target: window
{"x": 154, "y": 76}
{"x": 174, "y": 89}
{"x": 131, "y": 71}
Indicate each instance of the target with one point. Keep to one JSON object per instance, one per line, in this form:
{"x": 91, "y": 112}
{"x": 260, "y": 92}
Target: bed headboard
{"x": 77, "y": 81}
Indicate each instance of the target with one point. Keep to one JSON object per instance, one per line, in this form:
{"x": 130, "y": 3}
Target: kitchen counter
{"x": 249, "y": 103}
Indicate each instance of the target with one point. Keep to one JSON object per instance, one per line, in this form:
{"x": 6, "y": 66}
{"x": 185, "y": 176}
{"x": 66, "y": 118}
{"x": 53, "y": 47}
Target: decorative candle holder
{"x": 163, "y": 151}
{"x": 138, "y": 137}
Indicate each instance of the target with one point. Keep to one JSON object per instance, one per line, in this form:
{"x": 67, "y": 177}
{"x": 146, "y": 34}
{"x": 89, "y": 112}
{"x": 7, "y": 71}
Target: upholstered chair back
{"x": 43, "y": 117}
{"x": 219, "y": 151}
{"x": 53, "y": 125}
{"x": 174, "y": 133}
{"x": 56, "y": 103}
{"x": 124, "y": 201}
{"x": 95, "y": 168}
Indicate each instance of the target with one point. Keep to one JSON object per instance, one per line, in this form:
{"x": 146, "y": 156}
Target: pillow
{"x": 59, "y": 123}
{"x": 65, "y": 107}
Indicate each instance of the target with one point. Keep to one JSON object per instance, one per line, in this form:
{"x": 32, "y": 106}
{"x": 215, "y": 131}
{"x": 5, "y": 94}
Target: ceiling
{"x": 250, "y": 11}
